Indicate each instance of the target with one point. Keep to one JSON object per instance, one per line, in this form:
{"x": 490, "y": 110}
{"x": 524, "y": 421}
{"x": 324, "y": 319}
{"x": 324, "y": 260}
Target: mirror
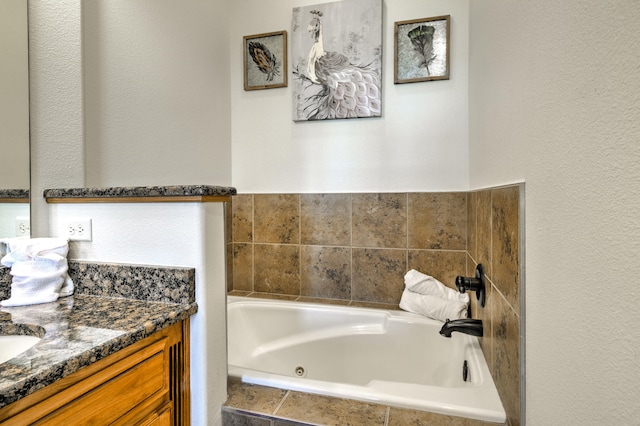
{"x": 14, "y": 119}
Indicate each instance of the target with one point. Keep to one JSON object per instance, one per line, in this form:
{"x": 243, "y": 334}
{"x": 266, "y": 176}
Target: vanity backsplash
{"x": 140, "y": 282}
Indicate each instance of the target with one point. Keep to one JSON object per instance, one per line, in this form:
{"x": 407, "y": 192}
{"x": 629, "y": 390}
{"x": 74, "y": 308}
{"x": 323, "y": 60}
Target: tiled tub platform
{"x": 254, "y": 405}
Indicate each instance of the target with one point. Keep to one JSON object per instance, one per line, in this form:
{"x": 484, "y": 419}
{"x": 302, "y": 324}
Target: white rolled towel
{"x": 432, "y": 306}
{"x": 418, "y": 282}
{"x": 39, "y": 270}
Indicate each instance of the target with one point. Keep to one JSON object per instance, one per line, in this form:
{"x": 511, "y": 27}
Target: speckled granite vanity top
{"x": 14, "y": 194}
{"x": 113, "y": 306}
{"x": 146, "y": 193}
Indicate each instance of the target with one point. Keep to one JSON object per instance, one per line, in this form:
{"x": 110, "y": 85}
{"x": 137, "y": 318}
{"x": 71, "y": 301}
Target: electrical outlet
{"x": 78, "y": 229}
{"x": 23, "y": 226}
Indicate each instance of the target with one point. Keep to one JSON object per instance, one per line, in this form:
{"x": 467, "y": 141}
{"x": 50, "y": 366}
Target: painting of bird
{"x": 335, "y": 85}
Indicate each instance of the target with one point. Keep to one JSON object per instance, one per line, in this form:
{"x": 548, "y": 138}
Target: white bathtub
{"x": 388, "y": 357}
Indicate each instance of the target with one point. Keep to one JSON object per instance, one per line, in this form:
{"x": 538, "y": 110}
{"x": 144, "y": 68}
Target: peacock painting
{"x": 337, "y": 50}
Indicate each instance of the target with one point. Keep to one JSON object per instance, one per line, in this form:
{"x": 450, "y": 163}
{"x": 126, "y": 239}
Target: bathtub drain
{"x": 300, "y": 371}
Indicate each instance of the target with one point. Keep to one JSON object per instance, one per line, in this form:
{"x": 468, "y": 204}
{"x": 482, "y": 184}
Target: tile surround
{"x": 377, "y": 274}
{"x": 325, "y": 219}
{"x": 325, "y": 272}
{"x": 355, "y": 249}
{"x": 483, "y": 230}
{"x": 347, "y": 246}
{"x": 437, "y": 220}
{"x": 276, "y": 218}
{"x": 379, "y": 220}
{"x": 505, "y": 243}
{"x": 255, "y": 405}
{"x": 331, "y": 411}
{"x": 277, "y": 268}
{"x": 498, "y": 238}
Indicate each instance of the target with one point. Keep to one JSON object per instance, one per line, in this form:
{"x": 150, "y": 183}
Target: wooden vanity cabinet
{"x": 146, "y": 383}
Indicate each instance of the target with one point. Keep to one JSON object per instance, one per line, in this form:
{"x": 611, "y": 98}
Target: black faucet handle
{"x": 474, "y": 284}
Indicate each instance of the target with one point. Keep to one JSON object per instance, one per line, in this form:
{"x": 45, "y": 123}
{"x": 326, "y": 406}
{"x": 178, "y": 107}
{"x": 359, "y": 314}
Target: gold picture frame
{"x": 265, "y": 60}
{"x": 421, "y": 49}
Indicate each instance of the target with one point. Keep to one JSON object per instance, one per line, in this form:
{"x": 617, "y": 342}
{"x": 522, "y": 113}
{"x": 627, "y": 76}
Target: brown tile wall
{"x": 352, "y": 247}
{"x": 494, "y": 240}
{"x": 356, "y": 248}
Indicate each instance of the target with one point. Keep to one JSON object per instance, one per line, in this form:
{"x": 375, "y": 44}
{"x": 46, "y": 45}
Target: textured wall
{"x": 56, "y": 102}
{"x": 554, "y": 102}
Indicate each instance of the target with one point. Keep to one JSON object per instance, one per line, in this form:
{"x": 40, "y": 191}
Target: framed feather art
{"x": 337, "y": 60}
{"x": 265, "y": 60}
{"x": 421, "y": 50}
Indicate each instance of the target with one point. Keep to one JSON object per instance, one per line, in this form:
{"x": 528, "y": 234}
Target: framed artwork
{"x": 337, "y": 60}
{"x": 421, "y": 50}
{"x": 265, "y": 60}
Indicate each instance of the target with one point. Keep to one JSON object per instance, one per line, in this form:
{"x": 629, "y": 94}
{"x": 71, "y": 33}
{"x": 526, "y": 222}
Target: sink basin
{"x": 13, "y": 345}
{"x": 17, "y": 338}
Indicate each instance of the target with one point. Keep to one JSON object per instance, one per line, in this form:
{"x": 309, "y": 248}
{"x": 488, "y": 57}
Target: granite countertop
{"x": 19, "y": 194}
{"x": 142, "y": 192}
{"x": 92, "y": 324}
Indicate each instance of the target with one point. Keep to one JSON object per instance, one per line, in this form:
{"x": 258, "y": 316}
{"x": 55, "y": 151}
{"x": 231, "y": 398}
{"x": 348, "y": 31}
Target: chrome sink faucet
{"x": 466, "y": 326}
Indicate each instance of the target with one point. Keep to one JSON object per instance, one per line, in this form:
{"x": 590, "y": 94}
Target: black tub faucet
{"x": 466, "y": 326}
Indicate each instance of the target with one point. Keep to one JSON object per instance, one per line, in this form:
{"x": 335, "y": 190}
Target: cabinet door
{"x": 163, "y": 418}
{"x": 144, "y": 384}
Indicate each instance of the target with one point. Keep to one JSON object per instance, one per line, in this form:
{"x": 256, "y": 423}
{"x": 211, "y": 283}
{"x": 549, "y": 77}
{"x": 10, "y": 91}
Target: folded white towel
{"x": 424, "y": 284}
{"x": 39, "y": 269}
{"x": 432, "y": 306}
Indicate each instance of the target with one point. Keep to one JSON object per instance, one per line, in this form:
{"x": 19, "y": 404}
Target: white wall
{"x": 555, "y": 101}
{"x": 419, "y": 143}
{"x": 170, "y": 234}
{"x": 8, "y": 213}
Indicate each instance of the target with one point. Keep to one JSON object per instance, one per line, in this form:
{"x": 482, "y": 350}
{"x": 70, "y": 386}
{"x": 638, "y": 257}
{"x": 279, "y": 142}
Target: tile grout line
{"x": 350, "y": 248}
{"x": 406, "y": 231}
{"x": 300, "y": 244}
{"x": 253, "y": 240}
{"x": 387, "y": 415}
{"x": 284, "y": 398}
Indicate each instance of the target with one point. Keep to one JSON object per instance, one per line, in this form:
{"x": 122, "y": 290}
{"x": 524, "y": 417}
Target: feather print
{"x": 264, "y": 59}
{"x": 422, "y": 39}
